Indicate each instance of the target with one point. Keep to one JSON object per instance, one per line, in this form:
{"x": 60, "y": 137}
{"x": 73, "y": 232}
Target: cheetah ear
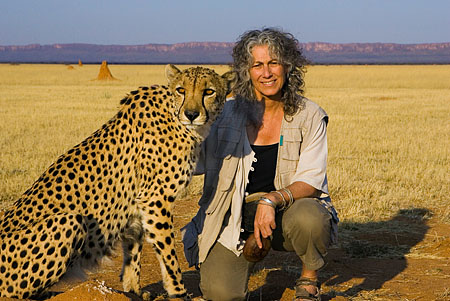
{"x": 171, "y": 72}
{"x": 230, "y": 79}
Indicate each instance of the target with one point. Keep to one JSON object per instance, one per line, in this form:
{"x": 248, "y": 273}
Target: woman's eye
{"x": 257, "y": 66}
{"x": 181, "y": 90}
{"x": 208, "y": 92}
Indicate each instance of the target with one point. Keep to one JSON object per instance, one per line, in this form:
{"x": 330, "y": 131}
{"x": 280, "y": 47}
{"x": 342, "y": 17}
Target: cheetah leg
{"x": 132, "y": 240}
{"x": 160, "y": 234}
{"x": 35, "y": 258}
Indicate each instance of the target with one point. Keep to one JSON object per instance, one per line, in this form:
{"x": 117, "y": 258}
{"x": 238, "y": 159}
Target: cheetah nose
{"x": 191, "y": 115}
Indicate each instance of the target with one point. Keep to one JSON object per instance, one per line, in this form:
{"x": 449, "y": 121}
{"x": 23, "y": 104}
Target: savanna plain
{"x": 388, "y": 172}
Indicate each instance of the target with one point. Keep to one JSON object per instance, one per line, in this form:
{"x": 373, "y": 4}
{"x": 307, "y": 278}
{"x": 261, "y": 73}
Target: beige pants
{"x": 304, "y": 229}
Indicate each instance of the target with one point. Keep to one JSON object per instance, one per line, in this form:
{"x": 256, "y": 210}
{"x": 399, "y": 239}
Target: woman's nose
{"x": 266, "y": 71}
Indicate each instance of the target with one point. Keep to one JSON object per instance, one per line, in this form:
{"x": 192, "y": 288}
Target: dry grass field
{"x": 389, "y": 158}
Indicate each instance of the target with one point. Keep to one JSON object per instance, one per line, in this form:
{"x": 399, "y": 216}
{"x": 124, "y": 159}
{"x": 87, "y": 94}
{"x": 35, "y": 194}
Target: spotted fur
{"x": 118, "y": 184}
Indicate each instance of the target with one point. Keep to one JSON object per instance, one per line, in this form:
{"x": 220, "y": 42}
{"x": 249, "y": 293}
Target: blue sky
{"x": 138, "y": 22}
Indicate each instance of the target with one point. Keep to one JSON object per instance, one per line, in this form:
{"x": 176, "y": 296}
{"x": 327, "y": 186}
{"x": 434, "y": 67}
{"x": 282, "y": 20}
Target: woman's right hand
{"x": 264, "y": 223}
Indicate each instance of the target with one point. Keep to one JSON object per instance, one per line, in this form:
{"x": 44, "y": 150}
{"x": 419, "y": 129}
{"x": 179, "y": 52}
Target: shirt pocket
{"x": 292, "y": 141}
{"x": 228, "y": 139}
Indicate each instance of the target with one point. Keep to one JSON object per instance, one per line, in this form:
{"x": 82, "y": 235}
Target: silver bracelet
{"x": 282, "y": 198}
{"x": 267, "y": 201}
{"x": 291, "y": 197}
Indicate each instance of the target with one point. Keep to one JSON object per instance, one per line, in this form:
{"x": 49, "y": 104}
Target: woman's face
{"x": 266, "y": 73}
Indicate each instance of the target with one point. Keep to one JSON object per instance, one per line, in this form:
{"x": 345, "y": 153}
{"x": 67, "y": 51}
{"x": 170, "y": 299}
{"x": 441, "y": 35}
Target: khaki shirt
{"x": 226, "y": 160}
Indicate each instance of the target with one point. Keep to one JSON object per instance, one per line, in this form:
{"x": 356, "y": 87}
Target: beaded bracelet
{"x": 267, "y": 201}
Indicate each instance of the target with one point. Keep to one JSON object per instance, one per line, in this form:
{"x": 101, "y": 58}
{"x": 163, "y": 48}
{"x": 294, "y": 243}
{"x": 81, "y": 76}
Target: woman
{"x": 271, "y": 139}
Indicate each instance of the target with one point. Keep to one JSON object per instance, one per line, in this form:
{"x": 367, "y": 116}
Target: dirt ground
{"x": 405, "y": 258}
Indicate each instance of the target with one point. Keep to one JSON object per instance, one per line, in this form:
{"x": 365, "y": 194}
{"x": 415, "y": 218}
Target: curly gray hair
{"x": 282, "y": 46}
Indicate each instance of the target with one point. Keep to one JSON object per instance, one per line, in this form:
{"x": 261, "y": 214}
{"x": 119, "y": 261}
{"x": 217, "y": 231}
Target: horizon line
{"x": 219, "y": 42}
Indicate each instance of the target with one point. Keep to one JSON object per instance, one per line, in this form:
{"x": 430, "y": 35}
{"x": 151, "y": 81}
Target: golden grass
{"x": 388, "y": 137}
{"x": 388, "y": 132}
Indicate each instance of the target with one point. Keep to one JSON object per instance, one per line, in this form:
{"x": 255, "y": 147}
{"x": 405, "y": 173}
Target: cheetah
{"x": 119, "y": 184}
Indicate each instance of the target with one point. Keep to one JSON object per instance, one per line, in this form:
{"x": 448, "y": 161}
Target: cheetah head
{"x": 199, "y": 95}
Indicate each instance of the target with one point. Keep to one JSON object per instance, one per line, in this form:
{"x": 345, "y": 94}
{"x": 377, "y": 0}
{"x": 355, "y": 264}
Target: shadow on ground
{"x": 369, "y": 254}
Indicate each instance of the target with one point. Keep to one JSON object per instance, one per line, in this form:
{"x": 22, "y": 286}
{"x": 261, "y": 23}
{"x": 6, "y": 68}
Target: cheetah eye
{"x": 181, "y": 90}
{"x": 208, "y": 92}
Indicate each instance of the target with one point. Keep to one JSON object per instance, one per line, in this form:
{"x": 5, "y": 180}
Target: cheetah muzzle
{"x": 119, "y": 184}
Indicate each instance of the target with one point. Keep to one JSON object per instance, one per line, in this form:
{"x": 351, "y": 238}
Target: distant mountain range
{"x": 220, "y": 53}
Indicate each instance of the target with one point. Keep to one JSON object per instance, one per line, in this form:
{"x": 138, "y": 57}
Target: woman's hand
{"x": 264, "y": 222}
{"x": 265, "y": 214}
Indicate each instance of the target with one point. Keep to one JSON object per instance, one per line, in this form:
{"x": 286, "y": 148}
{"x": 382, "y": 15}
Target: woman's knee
{"x": 223, "y": 275}
{"x": 308, "y": 215}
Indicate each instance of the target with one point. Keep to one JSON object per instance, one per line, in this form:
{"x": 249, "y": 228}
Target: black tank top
{"x": 262, "y": 175}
